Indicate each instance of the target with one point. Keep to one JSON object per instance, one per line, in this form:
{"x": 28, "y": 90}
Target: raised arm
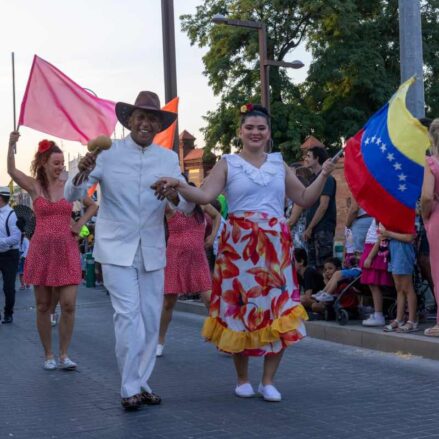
{"x": 306, "y": 196}
{"x": 27, "y": 183}
{"x": 212, "y": 186}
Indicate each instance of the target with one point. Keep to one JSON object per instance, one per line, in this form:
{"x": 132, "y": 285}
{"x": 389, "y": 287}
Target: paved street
{"x": 329, "y": 390}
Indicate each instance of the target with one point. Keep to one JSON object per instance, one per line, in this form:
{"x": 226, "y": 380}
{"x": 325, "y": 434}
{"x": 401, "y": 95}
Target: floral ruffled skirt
{"x": 255, "y": 307}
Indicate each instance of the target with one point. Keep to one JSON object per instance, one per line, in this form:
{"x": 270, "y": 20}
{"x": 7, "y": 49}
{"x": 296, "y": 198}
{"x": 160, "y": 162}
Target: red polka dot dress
{"x": 187, "y": 270}
{"x": 53, "y": 257}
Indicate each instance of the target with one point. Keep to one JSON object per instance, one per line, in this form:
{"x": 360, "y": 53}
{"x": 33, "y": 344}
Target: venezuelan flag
{"x": 384, "y": 163}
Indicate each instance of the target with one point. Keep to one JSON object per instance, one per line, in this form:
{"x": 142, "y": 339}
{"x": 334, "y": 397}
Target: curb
{"x": 359, "y": 336}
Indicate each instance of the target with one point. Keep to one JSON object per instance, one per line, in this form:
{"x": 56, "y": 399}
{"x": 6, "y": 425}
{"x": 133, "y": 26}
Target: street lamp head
{"x": 296, "y": 64}
{"x": 219, "y": 19}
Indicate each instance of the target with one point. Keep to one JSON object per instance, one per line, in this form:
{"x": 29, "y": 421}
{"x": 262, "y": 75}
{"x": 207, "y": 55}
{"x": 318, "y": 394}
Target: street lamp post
{"x": 169, "y": 59}
{"x": 412, "y": 63}
{"x": 264, "y": 63}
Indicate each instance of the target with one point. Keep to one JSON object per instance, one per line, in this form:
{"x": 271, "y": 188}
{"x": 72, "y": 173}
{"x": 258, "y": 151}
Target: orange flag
{"x": 166, "y": 138}
{"x": 92, "y": 189}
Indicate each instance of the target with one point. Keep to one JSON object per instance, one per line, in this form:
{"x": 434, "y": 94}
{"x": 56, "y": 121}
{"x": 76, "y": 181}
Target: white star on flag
{"x": 397, "y": 166}
{"x": 390, "y": 157}
{"x": 367, "y": 141}
{"x": 402, "y": 187}
{"x": 402, "y": 177}
{"x": 378, "y": 141}
{"x": 373, "y": 139}
{"x": 383, "y": 148}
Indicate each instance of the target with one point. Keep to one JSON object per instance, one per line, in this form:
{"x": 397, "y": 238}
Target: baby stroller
{"x": 345, "y": 305}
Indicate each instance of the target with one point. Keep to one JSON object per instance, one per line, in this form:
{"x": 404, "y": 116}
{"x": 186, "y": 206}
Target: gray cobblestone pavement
{"x": 329, "y": 390}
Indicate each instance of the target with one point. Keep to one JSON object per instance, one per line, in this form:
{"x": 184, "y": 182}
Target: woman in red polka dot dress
{"x": 187, "y": 269}
{"x": 53, "y": 259}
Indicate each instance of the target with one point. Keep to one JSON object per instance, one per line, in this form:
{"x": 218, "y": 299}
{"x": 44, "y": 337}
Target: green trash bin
{"x": 90, "y": 277}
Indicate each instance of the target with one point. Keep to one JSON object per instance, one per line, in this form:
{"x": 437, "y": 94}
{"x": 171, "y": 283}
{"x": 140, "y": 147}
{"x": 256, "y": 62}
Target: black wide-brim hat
{"x": 147, "y": 101}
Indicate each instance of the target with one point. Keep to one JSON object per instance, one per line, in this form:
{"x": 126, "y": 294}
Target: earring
{"x": 270, "y": 144}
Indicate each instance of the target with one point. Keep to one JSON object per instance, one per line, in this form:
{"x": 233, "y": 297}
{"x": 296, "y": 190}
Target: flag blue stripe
{"x": 396, "y": 173}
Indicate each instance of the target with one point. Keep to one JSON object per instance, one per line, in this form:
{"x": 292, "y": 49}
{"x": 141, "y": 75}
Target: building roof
{"x": 194, "y": 154}
{"x": 311, "y": 141}
{"x": 186, "y": 135}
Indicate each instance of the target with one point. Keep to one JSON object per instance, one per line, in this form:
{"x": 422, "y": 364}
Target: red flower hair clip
{"x": 44, "y": 146}
{"x": 246, "y": 108}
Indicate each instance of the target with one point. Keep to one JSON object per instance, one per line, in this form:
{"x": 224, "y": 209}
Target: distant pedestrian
{"x": 321, "y": 217}
{"x": 253, "y": 311}
{"x": 53, "y": 257}
{"x": 9, "y": 253}
{"x": 23, "y": 249}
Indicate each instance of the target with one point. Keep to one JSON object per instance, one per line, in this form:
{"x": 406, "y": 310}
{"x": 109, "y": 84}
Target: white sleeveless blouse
{"x": 256, "y": 189}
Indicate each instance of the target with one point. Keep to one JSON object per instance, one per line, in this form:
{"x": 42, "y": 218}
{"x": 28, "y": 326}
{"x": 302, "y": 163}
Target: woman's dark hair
{"x": 40, "y": 159}
{"x": 249, "y": 110}
{"x": 198, "y": 211}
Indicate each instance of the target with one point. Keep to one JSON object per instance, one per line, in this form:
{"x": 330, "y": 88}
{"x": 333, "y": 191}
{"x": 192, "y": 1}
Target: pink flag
{"x": 56, "y": 105}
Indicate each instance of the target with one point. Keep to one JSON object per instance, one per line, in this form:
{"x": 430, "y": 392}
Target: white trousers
{"x": 137, "y": 299}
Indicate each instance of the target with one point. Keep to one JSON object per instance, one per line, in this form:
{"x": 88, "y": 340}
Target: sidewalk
{"x": 353, "y": 334}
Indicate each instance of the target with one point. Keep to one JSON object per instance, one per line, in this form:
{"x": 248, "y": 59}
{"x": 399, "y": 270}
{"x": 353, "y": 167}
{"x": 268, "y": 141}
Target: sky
{"x": 113, "y": 47}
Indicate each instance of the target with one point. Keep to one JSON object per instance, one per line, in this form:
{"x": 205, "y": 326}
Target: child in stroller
{"x": 340, "y": 293}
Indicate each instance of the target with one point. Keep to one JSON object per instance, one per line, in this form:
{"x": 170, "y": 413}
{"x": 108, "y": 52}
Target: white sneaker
{"x": 50, "y": 364}
{"x": 244, "y": 390}
{"x": 54, "y": 319}
{"x": 159, "y": 350}
{"x": 67, "y": 364}
{"x": 323, "y": 296}
{"x": 269, "y": 393}
{"x": 374, "y": 321}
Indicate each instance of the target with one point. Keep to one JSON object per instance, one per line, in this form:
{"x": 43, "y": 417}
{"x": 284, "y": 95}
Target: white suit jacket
{"x": 129, "y": 213}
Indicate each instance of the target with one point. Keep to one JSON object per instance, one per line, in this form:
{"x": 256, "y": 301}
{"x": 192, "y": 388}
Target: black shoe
{"x": 7, "y": 319}
{"x": 149, "y": 398}
{"x": 131, "y": 403}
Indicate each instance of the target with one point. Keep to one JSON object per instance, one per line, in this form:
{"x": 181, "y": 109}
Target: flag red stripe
{"x": 370, "y": 195}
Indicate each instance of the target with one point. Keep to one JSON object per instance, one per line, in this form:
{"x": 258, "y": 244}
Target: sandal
{"x": 393, "y": 326}
{"x": 409, "y": 326}
{"x": 432, "y": 332}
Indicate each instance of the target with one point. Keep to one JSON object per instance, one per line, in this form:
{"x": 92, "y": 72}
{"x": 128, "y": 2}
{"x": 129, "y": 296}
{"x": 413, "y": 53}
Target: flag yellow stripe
{"x": 408, "y": 135}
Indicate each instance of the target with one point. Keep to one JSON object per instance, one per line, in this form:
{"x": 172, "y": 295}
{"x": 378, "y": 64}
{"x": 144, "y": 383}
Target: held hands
{"x": 166, "y": 187}
{"x": 328, "y": 167}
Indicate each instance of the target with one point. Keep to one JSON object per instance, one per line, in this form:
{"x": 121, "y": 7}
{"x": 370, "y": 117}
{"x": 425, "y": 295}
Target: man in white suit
{"x": 130, "y": 237}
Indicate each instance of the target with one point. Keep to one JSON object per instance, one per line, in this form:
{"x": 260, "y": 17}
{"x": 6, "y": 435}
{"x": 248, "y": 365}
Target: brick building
{"x": 193, "y": 161}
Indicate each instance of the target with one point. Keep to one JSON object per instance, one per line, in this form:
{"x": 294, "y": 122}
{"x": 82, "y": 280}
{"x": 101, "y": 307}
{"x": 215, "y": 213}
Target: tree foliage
{"x": 355, "y": 67}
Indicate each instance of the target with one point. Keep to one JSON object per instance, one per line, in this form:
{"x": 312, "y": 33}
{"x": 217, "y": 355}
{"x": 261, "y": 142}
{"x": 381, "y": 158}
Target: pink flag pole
{"x": 13, "y": 96}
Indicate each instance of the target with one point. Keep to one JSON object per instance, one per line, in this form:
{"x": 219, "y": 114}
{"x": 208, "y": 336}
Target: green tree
{"x": 232, "y": 66}
{"x": 355, "y": 67}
